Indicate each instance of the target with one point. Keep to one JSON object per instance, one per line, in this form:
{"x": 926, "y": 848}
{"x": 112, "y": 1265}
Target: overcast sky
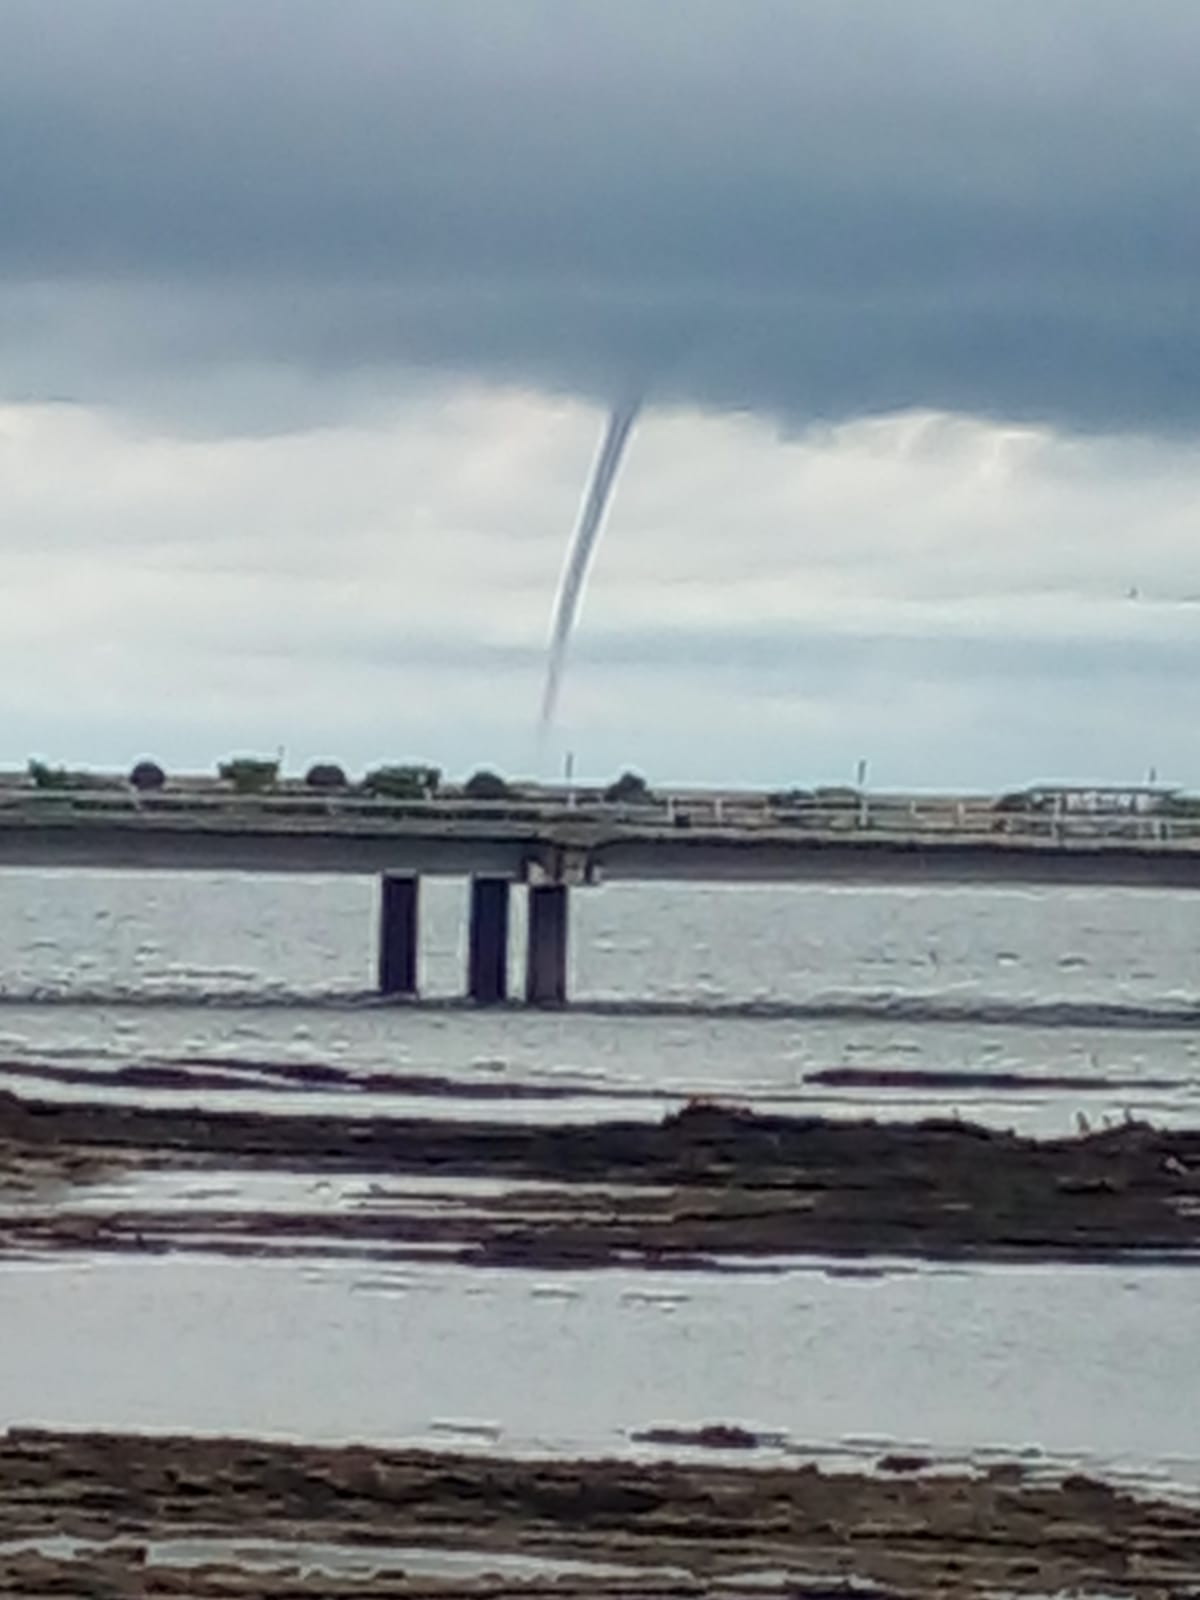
{"x": 310, "y": 311}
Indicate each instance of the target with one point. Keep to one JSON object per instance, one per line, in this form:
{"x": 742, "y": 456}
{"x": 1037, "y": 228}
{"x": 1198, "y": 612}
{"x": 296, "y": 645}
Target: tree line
{"x": 261, "y": 775}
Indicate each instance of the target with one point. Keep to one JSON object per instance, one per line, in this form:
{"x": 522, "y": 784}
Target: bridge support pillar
{"x": 487, "y": 955}
{"x": 546, "y": 951}
{"x": 398, "y": 934}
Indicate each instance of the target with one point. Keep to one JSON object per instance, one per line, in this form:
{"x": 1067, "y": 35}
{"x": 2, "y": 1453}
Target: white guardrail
{"x": 944, "y": 820}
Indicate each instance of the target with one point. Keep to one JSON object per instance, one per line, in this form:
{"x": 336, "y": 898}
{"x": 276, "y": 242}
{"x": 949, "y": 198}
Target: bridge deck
{"x": 242, "y": 836}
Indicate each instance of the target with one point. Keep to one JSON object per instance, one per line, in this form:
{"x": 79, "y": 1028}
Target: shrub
{"x": 630, "y": 789}
{"x": 71, "y": 778}
{"x": 249, "y": 774}
{"x": 147, "y": 775}
{"x": 47, "y": 777}
{"x": 326, "y": 775}
{"x": 486, "y": 785}
{"x": 781, "y": 799}
{"x": 403, "y": 783}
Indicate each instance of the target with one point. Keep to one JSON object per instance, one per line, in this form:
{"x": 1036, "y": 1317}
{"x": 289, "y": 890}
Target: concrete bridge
{"x": 548, "y": 852}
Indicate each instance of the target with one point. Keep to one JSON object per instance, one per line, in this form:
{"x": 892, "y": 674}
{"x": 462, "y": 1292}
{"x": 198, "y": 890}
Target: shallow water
{"x": 734, "y": 992}
{"x": 727, "y": 990}
{"x": 202, "y": 934}
{"x": 312, "y": 1557}
{"x": 1083, "y": 1365}
{"x": 169, "y": 1190}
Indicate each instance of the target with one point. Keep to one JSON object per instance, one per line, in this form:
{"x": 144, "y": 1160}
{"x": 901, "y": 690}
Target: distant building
{"x": 1098, "y": 800}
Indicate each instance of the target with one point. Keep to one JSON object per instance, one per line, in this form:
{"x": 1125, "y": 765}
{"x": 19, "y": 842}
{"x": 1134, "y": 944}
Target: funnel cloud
{"x": 582, "y": 547}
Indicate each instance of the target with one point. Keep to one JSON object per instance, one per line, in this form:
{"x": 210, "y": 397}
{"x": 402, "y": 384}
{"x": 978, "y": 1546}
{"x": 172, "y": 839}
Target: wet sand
{"x": 115, "y": 1515}
{"x": 706, "y": 1185}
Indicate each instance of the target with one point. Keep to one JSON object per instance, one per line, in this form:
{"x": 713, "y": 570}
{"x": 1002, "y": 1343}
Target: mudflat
{"x": 124, "y": 1515}
{"x": 707, "y": 1183}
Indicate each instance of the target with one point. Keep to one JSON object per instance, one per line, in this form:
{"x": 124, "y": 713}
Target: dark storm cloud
{"x": 813, "y": 207}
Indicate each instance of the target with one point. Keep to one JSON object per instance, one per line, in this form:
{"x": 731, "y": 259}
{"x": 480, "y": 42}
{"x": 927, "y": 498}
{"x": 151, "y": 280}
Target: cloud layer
{"x": 264, "y": 210}
{"x": 309, "y": 311}
{"x": 947, "y": 599}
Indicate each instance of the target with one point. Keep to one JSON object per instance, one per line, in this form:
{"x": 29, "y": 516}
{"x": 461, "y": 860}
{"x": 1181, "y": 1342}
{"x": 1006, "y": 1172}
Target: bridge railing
{"x": 890, "y": 818}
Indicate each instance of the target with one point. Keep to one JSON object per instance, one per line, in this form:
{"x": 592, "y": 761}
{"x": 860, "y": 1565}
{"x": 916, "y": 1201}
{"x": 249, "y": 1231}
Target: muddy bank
{"x": 655, "y": 1528}
{"x": 923, "y": 1080}
{"x": 713, "y": 1181}
{"x": 202, "y": 1074}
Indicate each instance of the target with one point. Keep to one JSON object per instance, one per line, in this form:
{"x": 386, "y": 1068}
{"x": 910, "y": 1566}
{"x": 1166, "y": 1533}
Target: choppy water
{"x": 733, "y": 990}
